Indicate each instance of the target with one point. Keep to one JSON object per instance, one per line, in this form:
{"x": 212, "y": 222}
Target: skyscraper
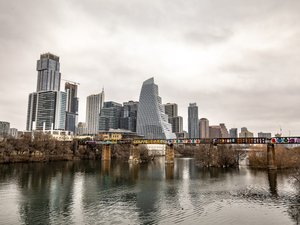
{"x": 204, "y": 128}
{"x": 47, "y": 106}
{"x": 171, "y": 109}
{"x": 152, "y": 122}
{"x": 233, "y": 133}
{"x": 177, "y": 124}
{"x": 49, "y": 75}
{"x": 72, "y": 106}
{"x": 129, "y": 116}
{"x": 193, "y": 121}
{"x": 94, "y": 104}
{"x": 110, "y": 116}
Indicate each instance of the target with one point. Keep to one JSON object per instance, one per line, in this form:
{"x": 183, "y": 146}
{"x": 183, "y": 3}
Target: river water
{"x": 95, "y": 192}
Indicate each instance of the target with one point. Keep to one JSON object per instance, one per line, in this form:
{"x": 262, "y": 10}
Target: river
{"x": 95, "y": 192}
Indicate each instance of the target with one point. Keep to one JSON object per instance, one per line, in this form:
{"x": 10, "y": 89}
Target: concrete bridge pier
{"x": 106, "y": 153}
{"x": 170, "y": 154}
{"x": 135, "y": 156}
{"x": 271, "y": 156}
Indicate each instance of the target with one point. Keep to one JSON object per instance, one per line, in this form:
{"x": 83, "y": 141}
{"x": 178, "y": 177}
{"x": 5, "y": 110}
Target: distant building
{"x": 176, "y": 123}
{"x": 245, "y": 133}
{"x": 224, "y": 131}
{"x": 193, "y": 121}
{"x": 72, "y": 107}
{"x": 152, "y": 122}
{"x": 171, "y": 109}
{"x": 49, "y": 75}
{"x": 129, "y": 116}
{"x": 204, "y": 128}
{"x": 182, "y": 135}
{"x": 82, "y": 129}
{"x": 215, "y": 132}
{"x": 47, "y": 106}
{"x": 264, "y": 135}
{"x": 233, "y": 133}
{"x": 13, "y": 133}
{"x": 4, "y": 129}
{"x": 110, "y": 116}
{"x": 94, "y": 104}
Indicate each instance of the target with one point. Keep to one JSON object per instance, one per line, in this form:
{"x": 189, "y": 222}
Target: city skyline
{"x": 237, "y": 61}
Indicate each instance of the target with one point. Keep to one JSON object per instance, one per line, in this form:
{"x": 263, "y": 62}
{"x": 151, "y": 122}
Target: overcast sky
{"x": 238, "y": 60}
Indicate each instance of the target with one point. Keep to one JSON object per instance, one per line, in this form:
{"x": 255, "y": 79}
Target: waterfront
{"x": 95, "y": 192}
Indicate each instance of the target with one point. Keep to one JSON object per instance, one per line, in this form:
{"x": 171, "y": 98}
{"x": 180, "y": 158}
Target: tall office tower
{"x": 152, "y": 122}
{"x": 224, "y": 131}
{"x": 171, "y": 109}
{"x": 94, "y": 104}
{"x": 204, "y": 128}
{"x": 47, "y": 107}
{"x": 72, "y": 106}
{"x": 177, "y": 124}
{"x": 129, "y": 116}
{"x": 245, "y": 133}
{"x": 215, "y": 132}
{"x": 49, "y": 76}
{"x": 233, "y": 133}
{"x": 110, "y": 116}
{"x": 51, "y": 109}
{"x": 193, "y": 121}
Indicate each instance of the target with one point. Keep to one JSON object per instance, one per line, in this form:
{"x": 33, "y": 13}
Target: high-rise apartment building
{"x": 152, "y": 122}
{"x": 129, "y": 116}
{"x": 171, "y": 109}
{"x": 233, "y": 133}
{"x": 177, "y": 124}
{"x": 49, "y": 75}
{"x": 110, "y": 116}
{"x": 47, "y": 106}
{"x": 204, "y": 128}
{"x": 94, "y": 104}
{"x": 193, "y": 121}
{"x": 72, "y": 106}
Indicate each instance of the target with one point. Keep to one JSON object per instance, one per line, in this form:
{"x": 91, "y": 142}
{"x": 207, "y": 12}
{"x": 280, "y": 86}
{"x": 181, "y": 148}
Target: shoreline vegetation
{"x": 45, "y": 149}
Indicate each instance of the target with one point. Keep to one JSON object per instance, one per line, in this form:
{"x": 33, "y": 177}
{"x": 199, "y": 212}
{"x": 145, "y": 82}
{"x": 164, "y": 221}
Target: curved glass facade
{"x": 152, "y": 122}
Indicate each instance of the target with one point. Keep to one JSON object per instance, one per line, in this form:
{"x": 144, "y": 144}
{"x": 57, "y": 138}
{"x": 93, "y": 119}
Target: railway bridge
{"x": 169, "y": 153}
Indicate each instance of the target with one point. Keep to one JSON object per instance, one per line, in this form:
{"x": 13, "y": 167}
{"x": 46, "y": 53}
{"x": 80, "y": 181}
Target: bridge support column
{"x": 135, "y": 155}
{"x": 169, "y": 155}
{"x": 106, "y": 152}
{"x": 271, "y": 156}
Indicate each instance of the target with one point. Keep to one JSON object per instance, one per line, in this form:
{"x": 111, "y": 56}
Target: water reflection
{"x": 91, "y": 192}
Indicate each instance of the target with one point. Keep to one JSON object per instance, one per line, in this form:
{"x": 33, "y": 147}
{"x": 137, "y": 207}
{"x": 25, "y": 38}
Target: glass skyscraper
{"x": 94, "y": 104}
{"x": 72, "y": 107}
{"x": 47, "y": 106}
{"x": 193, "y": 121}
{"x": 152, "y": 122}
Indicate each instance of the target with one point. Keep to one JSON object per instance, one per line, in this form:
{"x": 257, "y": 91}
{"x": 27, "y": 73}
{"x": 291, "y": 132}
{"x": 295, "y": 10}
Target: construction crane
{"x": 72, "y": 82}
